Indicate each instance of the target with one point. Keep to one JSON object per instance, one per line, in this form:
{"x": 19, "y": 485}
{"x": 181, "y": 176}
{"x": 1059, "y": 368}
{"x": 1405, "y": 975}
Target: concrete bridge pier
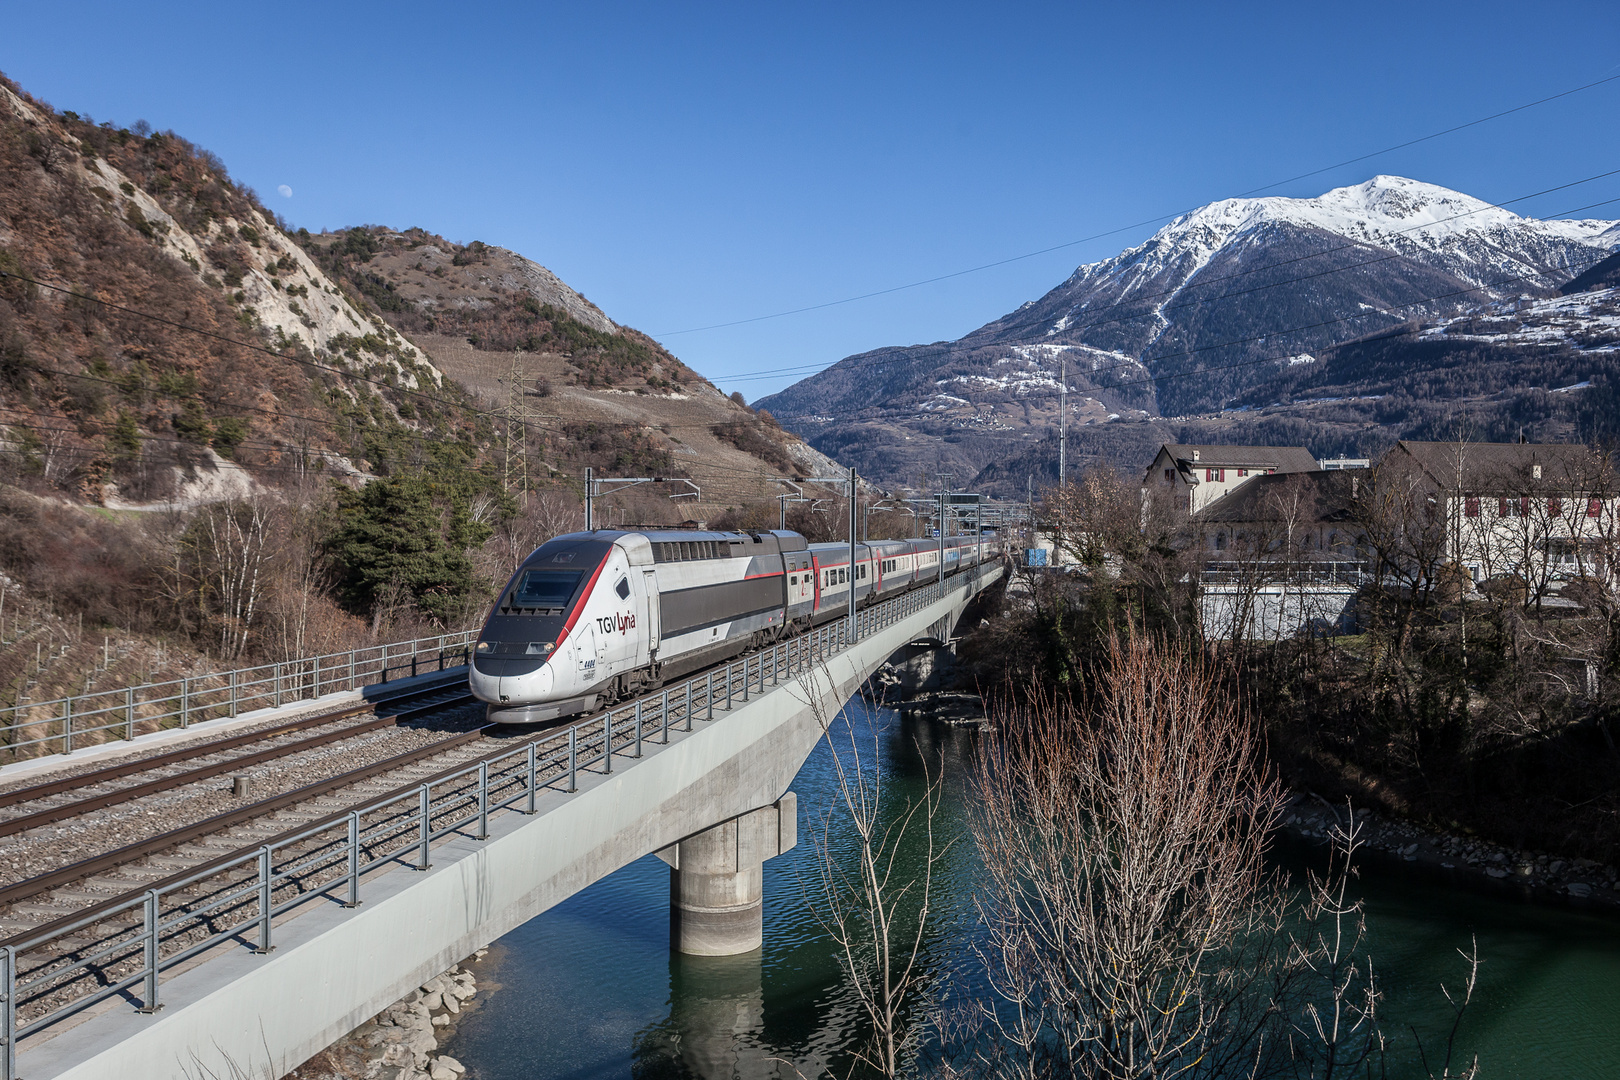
{"x": 716, "y": 893}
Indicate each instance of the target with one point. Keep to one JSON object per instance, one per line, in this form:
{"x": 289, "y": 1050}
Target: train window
{"x": 545, "y": 588}
{"x": 623, "y": 588}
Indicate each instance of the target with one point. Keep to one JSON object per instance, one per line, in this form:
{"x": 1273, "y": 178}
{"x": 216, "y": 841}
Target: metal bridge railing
{"x": 50, "y": 973}
{"x": 57, "y": 725}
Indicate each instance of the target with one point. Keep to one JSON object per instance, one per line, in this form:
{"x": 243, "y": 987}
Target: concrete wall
{"x": 1275, "y": 611}
{"x": 334, "y": 968}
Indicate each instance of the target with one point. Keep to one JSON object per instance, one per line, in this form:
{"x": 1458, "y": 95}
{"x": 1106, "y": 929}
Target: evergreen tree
{"x": 125, "y": 440}
{"x": 408, "y": 536}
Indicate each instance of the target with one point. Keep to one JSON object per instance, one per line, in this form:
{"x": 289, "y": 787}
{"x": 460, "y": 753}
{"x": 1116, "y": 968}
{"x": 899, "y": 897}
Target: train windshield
{"x": 546, "y": 588}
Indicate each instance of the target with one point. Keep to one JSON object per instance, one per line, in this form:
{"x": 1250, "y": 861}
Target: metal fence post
{"x": 315, "y": 677}
{"x": 687, "y": 715}
{"x": 728, "y": 686}
{"x": 607, "y": 741}
{"x": 129, "y": 712}
{"x": 67, "y": 725}
{"x": 278, "y": 684}
{"x": 708, "y": 693}
{"x": 424, "y": 809}
{"x": 351, "y": 670}
{"x": 235, "y": 679}
{"x": 483, "y": 800}
{"x": 185, "y": 701}
{"x": 532, "y": 778}
{"x": 664, "y": 720}
{"x": 745, "y": 678}
{"x": 573, "y": 757}
{"x": 8, "y": 1013}
{"x": 266, "y": 899}
{"x": 638, "y": 729}
{"x": 150, "y": 932}
{"x": 354, "y": 860}
{"x": 384, "y": 676}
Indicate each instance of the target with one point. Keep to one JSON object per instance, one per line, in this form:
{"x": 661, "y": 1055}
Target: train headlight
{"x": 484, "y": 648}
{"x": 539, "y": 648}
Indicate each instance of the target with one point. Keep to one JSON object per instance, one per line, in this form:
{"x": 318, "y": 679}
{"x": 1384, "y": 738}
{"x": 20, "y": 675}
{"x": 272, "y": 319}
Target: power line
{"x": 212, "y": 335}
{"x": 1141, "y": 297}
{"x": 1154, "y": 379}
{"x": 1140, "y": 224}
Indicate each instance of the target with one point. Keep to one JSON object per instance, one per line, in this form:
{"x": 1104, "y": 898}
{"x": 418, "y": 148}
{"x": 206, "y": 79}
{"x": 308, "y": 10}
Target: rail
{"x": 54, "y": 726}
{"x": 160, "y": 927}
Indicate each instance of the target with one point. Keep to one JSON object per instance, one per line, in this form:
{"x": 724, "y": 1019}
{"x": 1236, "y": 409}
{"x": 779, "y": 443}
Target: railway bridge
{"x": 257, "y": 961}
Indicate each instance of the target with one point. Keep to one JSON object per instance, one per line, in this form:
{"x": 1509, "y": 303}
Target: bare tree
{"x": 549, "y": 513}
{"x": 1095, "y": 517}
{"x": 869, "y": 902}
{"x": 1122, "y": 856}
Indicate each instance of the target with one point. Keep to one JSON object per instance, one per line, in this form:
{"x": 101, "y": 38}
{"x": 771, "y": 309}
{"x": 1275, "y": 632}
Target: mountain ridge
{"x": 1194, "y": 318}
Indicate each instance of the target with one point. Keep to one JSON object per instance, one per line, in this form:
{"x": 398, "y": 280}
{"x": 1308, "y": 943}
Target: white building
{"x": 1195, "y": 476}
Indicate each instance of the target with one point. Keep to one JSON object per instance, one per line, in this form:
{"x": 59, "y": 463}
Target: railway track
{"x": 88, "y": 929}
{"x": 200, "y": 867}
{"x": 31, "y": 807}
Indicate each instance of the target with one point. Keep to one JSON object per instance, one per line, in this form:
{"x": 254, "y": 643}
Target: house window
{"x": 1169, "y": 476}
{"x": 1217, "y": 476}
{"x": 1555, "y": 508}
{"x": 1270, "y": 471}
{"x": 1524, "y": 506}
{"x": 1594, "y": 507}
{"x": 1471, "y": 506}
{"x": 1243, "y": 472}
{"x": 1502, "y": 508}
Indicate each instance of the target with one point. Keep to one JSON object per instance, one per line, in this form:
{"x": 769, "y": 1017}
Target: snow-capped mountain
{"x": 1208, "y": 308}
{"x": 1340, "y": 265}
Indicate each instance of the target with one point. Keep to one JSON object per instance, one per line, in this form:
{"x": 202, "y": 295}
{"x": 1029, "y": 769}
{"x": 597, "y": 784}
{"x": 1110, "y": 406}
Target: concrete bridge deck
{"x": 233, "y": 1011}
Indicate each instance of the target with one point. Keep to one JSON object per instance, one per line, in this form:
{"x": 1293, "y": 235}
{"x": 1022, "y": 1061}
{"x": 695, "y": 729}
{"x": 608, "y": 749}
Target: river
{"x": 591, "y": 989}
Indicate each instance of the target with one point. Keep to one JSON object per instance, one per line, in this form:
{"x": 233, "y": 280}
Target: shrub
{"x": 229, "y": 431}
{"x": 191, "y": 423}
{"x": 125, "y": 440}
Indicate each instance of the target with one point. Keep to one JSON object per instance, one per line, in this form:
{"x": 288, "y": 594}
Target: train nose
{"x": 496, "y": 679}
{"x": 534, "y": 686}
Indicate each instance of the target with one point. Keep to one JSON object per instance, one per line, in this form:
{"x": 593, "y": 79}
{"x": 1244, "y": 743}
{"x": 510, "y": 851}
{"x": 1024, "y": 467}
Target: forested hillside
{"x": 224, "y": 439}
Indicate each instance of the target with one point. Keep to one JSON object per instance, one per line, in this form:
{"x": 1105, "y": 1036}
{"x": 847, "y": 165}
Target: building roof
{"x": 1284, "y": 459}
{"x": 1321, "y": 497}
{"x": 1496, "y": 467}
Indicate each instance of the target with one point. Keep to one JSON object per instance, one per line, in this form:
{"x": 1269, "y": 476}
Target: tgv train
{"x": 593, "y": 617}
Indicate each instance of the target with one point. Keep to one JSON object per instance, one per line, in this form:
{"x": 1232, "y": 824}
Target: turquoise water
{"x": 591, "y": 989}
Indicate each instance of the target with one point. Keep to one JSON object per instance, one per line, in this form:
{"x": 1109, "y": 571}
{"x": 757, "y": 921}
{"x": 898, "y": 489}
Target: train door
{"x": 649, "y": 580}
{"x": 588, "y": 654}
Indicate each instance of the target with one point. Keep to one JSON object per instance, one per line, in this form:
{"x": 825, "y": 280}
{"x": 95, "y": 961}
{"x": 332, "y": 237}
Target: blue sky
{"x": 685, "y": 165}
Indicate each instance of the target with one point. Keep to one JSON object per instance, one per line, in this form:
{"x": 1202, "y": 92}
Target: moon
{"x": 286, "y": 192}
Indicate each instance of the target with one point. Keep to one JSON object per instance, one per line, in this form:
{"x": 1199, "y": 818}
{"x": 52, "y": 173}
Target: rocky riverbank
{"x": 1392, "y": 845}
{"x": 1386, "y": 844}
{"x": 898, "y": 688}
{"x": 402, "y": 1041}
